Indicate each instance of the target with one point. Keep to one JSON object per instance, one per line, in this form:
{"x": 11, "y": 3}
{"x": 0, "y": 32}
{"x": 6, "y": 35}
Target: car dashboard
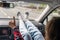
{"x": 5, "y": 32}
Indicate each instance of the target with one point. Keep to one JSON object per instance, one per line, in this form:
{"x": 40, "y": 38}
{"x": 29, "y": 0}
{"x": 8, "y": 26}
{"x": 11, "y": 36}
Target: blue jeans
{"x": 34, "y": 32}
{"x": 23, "y": 30}
{"x": 29, "y": 31}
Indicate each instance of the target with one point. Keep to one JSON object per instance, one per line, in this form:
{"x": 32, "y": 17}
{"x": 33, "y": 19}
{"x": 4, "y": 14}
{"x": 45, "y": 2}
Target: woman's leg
{"x": 34, "y": 32}
{"x": 23, "y": 30}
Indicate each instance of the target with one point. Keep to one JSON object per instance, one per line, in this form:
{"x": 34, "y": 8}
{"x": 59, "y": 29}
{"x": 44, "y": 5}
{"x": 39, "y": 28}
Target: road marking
{"x": 1, "y": 10}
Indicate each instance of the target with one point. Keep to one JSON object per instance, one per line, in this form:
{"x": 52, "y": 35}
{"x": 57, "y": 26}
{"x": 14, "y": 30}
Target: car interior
{"x": 9, "y": 7}
{"x": 5, "y": 30}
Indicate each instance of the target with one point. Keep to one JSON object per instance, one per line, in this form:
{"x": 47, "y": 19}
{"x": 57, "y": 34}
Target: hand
{"x": 12, "y": 23}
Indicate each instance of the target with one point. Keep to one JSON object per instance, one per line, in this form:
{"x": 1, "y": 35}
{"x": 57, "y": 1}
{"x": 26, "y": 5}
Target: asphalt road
{"x": 9, "y": 12}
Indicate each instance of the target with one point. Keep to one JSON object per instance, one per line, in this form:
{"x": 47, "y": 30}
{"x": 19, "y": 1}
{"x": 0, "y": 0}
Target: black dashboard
{"x": 5, "y": 32}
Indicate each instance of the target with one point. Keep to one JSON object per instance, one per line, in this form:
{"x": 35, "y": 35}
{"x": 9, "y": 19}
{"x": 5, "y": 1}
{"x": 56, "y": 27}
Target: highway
{"x": 9, "y": 12}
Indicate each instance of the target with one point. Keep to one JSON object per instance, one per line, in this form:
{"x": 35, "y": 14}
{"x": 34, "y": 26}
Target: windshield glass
{"x": 34, "y": 10}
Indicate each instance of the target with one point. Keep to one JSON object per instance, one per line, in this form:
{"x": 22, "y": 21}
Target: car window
{"x": 54, "y": 13}
{"x": 34, "y": 9}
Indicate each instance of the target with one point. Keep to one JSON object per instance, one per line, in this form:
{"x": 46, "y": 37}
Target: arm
{"x": 15, "y": 32}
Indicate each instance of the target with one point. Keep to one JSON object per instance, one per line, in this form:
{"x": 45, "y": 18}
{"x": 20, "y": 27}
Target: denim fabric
{"x": 23, "y": 30}
{"x": 34, "y": 32}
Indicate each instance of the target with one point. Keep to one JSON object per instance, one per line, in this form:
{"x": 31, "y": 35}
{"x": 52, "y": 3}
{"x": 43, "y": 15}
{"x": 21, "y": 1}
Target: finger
{"x": 11, "y": 22}
{"x": 14, "y": 20}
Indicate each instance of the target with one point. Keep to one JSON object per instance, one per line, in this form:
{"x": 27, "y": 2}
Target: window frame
{"x": 48, "y": 13}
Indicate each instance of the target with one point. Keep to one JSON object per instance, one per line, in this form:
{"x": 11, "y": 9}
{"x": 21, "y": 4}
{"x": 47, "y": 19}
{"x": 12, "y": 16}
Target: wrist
{"x": 14, "y": 27}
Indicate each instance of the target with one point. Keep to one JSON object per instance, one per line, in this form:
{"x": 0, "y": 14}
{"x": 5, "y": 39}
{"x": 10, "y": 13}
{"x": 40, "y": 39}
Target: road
{"x": 9, "y": 12}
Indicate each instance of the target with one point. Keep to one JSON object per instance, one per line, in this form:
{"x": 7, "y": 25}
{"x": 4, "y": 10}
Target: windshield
{"x": 34, "y": 10}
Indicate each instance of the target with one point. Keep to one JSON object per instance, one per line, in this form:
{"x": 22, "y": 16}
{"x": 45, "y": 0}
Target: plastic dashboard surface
{"x": 5, "y": 31}
{"x": 5, "y": 21}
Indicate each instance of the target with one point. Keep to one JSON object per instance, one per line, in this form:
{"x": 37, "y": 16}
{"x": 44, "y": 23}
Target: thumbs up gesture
{"x": 12, "y": 23}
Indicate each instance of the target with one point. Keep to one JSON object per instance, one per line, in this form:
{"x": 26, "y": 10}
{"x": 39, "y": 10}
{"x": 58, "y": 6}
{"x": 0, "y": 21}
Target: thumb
{"x": 14, "y": 20}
